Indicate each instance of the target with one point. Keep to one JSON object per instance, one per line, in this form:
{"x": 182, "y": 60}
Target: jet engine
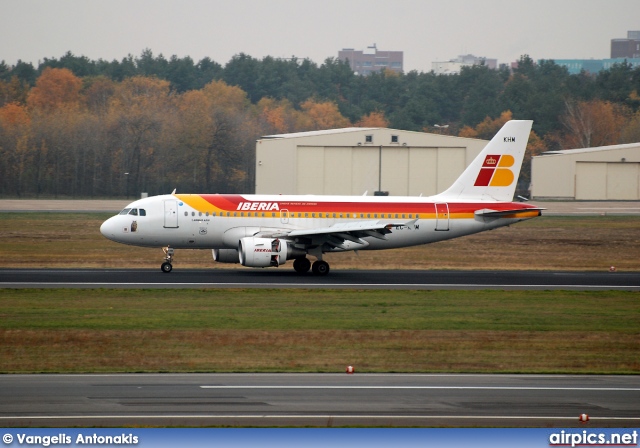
{"x": 264, "y": 252}
{"x": 225, "y": 255}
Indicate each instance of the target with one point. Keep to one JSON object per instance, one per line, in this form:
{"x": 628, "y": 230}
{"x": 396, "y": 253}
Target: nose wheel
{"x": 166, "y": 267}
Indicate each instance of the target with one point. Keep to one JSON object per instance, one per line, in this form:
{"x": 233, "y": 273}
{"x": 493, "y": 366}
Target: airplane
{"x": 269, "y": 230}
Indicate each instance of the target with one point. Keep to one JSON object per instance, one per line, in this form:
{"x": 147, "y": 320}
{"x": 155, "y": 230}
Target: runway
{"x": 337, "y": 279}
{"x": 318, "y": 400}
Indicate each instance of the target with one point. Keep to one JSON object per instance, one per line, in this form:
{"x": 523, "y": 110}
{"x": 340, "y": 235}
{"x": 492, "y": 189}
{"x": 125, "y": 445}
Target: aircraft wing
{"x": 339, "y": 235}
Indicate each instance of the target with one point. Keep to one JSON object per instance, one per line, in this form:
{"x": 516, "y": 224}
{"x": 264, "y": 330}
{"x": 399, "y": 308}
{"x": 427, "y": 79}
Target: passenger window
{"x": 186, "y": 213}
{"x": 125, "y": 211}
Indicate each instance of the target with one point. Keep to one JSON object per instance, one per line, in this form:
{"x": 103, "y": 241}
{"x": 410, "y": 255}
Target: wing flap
{"x": 354, "y": 232}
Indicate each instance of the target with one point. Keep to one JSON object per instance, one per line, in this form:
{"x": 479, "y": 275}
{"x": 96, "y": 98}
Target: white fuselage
{"x": 194, "y": 225}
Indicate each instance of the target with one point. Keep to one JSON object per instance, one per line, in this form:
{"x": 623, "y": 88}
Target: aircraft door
{"x": 171, "y": 214}
{"x": 442, "y": 216}
{"x": 284, "y": 216}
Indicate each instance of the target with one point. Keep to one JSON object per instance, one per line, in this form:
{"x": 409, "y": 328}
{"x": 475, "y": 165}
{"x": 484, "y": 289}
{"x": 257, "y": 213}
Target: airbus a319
{"x": 270, "y": 230}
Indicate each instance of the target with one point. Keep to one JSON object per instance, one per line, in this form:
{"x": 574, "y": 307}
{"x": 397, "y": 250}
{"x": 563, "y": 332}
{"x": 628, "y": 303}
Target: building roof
{"x": 594, "y": 149}
{"x": 356, "y": 129}
{"x": 317, "y": 133}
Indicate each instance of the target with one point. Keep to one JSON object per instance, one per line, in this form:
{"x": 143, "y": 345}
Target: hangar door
{"x": 352, "y": 170}
{"x": 607, "y": 181}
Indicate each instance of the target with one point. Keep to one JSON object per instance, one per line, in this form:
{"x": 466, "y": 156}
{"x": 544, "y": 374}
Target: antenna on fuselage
{"x": 174, "y": 191}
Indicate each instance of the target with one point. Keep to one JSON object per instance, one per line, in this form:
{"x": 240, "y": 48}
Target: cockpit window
{"x": 125, "y": 211}
{"x": 143, "y": 212}
{"x": 134, "y": 212}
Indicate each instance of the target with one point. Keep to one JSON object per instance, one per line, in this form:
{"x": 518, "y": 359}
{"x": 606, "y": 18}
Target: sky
{"x": 425, "y": 30}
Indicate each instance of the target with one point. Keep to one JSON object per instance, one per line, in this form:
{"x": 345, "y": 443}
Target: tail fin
{"x": 493, "y": 175}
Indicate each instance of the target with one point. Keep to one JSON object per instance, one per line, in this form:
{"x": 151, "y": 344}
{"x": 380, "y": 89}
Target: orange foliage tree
{"x": 278, "y": 116}
{"x": 373, "y": 120}
{"x": 592, "y": 123}
{"x": 323, "y": 115}
{"x": 487, "y": 128}
{"x": 15, "y": 144}
{"x": 56, "y": 87}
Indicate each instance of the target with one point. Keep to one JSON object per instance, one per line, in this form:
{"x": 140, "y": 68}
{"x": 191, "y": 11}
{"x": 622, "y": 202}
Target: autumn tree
{"x": 15, "y": 142}
{"x": 56, "y": 87}
{"x": 487, "y": 128}
{"x": 323, "y": 115}
{"x": 631, "y": 130}
{"x": 373, "y": 120}
{"x": 535, "y": 147}
{"x": 97, "y": 94}
{"x": 136, "y": 114}
{"x": 592, "y": 123}
{"x": 13, "y": 91}
{"x": 280, "y": 117}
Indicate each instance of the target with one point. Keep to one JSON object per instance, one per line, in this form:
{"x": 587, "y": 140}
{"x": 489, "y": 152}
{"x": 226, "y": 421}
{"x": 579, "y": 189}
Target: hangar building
{"x": 352, "y": 161}
{"x": 602, "y": 173}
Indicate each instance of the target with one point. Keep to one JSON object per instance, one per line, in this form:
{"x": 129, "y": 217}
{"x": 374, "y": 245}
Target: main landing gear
{"x": 166, "y": 267}
{"x": 302, "y": 266}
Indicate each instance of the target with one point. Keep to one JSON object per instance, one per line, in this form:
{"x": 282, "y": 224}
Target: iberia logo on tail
{"x": 496, "y": 172}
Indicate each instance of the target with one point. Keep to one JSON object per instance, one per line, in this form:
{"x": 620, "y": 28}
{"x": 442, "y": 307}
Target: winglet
{"x": 493, "y": 175}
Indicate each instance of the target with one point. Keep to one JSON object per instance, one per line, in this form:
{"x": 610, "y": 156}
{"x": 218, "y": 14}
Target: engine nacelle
{"x": 225, "y": 255}
{"x": 264, "y": 252}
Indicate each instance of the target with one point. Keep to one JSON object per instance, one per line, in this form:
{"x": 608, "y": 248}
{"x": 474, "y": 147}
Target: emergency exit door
{"x": 442, "y": 216}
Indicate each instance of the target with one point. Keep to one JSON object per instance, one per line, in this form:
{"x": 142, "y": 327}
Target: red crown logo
{"x": 491, "y": 161}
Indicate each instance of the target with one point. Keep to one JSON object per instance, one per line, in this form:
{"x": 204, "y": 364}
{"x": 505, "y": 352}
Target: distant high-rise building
{"x": 626, "y": 48}
{"x": 593, "y": 66}
{"x": 372, "y": 60}
{"x": 454, "y": 66}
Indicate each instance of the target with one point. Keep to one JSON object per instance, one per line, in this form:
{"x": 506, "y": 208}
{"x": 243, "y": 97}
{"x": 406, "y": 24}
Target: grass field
{"x": 323, "y": 331}
{"x": 318, "y": 331}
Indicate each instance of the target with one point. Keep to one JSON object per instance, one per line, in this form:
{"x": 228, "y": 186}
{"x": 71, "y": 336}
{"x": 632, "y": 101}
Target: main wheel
{"x": 301, "y": 265}
{"x": 320, "y": 267}
{"x": 166, "y": 267}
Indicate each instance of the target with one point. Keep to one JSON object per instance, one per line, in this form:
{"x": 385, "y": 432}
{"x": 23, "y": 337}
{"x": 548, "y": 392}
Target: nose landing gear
{"x": 166, "y": 267}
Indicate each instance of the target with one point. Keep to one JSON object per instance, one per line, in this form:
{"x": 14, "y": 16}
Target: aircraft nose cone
{"x": 108, "y": 229}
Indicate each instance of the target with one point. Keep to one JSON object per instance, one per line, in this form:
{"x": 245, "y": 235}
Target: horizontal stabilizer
{"x": 517, "y": 213}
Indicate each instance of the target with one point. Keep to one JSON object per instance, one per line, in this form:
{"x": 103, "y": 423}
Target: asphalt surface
{"x": 318, "y": 400}
{"x": 346, "y": 279}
